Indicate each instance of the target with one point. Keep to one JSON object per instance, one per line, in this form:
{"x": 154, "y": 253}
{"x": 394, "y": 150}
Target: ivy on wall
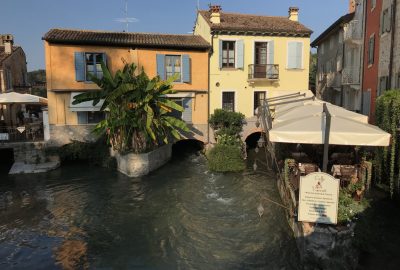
{"x": 387, "y": 159}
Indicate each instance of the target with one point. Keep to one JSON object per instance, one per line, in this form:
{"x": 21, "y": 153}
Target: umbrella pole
{"x": 326, "y": 141}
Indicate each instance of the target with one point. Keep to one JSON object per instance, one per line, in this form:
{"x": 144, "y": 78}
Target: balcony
{"x": 269, "y": 72}
{"x": 351, "y": 75}
{"x": 353, "y": 32}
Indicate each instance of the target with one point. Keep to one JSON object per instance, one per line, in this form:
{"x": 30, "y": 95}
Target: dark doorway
{"x": 6, "y": 160}
{"x": 261, "y": 59}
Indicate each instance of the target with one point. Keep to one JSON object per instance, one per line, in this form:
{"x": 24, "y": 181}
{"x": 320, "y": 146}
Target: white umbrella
{"x": 316, "y": 108}
{"x": 343, "y": 131}
{"x": 13, "y": 97}
{"x": 284, "y": 107}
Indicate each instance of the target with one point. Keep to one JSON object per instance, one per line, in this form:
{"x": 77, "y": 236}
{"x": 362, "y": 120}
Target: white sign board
{"x": 319, "y": 198}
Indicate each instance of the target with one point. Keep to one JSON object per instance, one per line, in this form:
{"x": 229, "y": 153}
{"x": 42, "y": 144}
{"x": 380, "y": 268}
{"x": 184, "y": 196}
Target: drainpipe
{"x": 209, "y": 86}
{"x": 393, "y": 22}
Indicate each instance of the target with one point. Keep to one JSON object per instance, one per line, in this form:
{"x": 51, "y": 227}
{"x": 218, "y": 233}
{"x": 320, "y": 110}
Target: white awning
{"x": 343, "y": 131}
{"x": 84, "y": 106}
{"x": 315, "y": 108}
{"x": 14, "y": 97}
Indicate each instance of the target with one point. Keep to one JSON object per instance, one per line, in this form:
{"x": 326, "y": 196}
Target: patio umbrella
{"x": 315, "y": 108}
{"x": 17, "y": 98}
{"x": 343, "y": 131}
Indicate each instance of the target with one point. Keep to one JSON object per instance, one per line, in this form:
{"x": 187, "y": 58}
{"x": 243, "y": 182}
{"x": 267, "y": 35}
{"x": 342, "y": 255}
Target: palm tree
{"x": 138, "y": 111}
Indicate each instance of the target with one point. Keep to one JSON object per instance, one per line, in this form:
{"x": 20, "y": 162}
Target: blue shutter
{"x": 186, "y": 68}
{"x": 220, "y": 54}
{"x": 161, "y": 66}
{"x": 299, "y": 54}
{"x": 79, "y": 66}
{"x": 291, "y": 55}
{"x": 187, "y": 113}
{"x": 270, "y": 58}
{"x": 366, "y": 106}
{"x": 240, "y": 54}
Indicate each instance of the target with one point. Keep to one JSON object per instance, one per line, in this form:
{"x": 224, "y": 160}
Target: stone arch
{"x": 252, "y": 138}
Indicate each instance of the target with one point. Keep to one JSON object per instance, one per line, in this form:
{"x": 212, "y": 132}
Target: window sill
{"x": 295, "y": 69}
{"x": 230, "y": 69}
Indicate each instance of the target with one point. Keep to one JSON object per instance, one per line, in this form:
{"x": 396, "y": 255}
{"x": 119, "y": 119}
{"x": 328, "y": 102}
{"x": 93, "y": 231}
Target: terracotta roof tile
{"x": 270, "y": 25}
{"x": 129, "y": 39}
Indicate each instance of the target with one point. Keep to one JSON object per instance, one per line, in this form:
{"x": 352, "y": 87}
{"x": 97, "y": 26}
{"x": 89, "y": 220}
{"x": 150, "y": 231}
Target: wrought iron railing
{"x": 27, "y": 133}
{"x": 267, "y": 72}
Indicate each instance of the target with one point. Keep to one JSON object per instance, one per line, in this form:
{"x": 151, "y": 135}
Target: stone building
{"x": 340, "y": 59}
{"x": 13, "y": 71}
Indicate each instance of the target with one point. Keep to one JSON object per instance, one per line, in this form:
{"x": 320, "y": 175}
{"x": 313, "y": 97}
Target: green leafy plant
{"x": 138, "y": 111}
{"x": 225, "y": 158}
{"x": 348, "y": 208}
{"x": 387, "y": 159}
{"x": 225, "y": 122}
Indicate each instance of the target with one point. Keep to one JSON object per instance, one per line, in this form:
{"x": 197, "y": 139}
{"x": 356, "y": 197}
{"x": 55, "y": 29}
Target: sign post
{"x": 319, "y": 198}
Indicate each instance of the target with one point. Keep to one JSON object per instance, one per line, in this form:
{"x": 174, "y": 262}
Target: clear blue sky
{"x": 28, "y": 20}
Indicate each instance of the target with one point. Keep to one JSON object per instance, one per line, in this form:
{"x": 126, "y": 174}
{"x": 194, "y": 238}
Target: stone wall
{"x": 136, "y": 165}
{"x": 65, "y": 134}
{"x": 321, "y": 246}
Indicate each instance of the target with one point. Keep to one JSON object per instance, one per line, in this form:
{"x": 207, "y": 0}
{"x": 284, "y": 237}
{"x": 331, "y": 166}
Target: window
{"x": 173, "y": 67}
{"x": 371, "y": 49}
{"x": 228, "y": 101}
{"x": 259, "y": 96}
{"x": 90, "y": 117}
{"x": 383, "y": 84}
{"x": 295, "y": 55}
{"x": 386, "y": 22}
{"x": 373, "y": 4}
{"x": 176, "y": 113}
{"x": 228, "y": 54}
{"x": 93, "y": 65}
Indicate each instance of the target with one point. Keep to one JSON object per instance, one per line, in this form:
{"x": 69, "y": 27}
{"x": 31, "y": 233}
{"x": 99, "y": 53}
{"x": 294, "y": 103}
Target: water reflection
{"x": 180, "y": 217}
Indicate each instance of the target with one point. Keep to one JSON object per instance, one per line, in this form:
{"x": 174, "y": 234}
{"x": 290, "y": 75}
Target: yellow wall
{"x": 236, "y": 79}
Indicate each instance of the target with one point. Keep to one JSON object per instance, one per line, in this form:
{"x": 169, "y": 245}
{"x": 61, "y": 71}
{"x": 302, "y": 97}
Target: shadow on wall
{"x": 6, "y": 160}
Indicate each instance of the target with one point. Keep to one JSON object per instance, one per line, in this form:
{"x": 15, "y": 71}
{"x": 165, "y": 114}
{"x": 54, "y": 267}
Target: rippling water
{"x": 180, "y": 217}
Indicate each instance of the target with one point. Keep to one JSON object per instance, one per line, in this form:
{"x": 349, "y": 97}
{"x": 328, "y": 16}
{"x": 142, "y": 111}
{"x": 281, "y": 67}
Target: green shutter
{"x": 79, "y": 66}
{"x": 220, "y": 54}
{"x": 186, "y": 68}
{"x": 271, "y": 49}
{"x": 160, "y": 58}
{"x": 291, "y": 55}
{"x": 240, "y": 54}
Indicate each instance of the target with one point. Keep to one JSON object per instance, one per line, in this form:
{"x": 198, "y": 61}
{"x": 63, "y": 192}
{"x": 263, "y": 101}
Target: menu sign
{"x": 319, "y": 198}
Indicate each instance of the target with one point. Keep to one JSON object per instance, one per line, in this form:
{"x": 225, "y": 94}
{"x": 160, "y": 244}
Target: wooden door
{"x": 261, "y": 60}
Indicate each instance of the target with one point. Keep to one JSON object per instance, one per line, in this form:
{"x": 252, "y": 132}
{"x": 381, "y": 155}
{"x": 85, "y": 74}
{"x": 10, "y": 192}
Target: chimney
{"x": 8, "y": 42}
{"x": 294, "y": 14}
{"x": 352, "y": 6}
{"x": 215, "y": 11}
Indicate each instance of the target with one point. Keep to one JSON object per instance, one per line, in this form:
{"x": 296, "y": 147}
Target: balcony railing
{"x": 353, "y": 32}
{"x": 351, "y": 75}
{"x": 263, "y": 72}
{"x": 28, "y": 133}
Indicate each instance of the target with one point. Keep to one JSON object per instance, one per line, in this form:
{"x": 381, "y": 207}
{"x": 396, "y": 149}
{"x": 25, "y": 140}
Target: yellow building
{"x": 253, "y": 57}
{"x": 72, "y": 54}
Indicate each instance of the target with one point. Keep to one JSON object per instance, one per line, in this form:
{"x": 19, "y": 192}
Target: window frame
{"x": 87, "y": 117}
{"x": 234, "y": 99}
{"x": 254, "y": 99}
{"x": 95, "y": 71}
{"x": 229, "y": 64}
{"x": 373, "y": 4}
{"x": 180, "y": 79}
{"x": 371, "y": 51}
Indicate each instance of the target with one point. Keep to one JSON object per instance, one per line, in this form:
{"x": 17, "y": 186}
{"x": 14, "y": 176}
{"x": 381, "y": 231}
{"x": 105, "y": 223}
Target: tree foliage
{"x": 225, "y": 122}
{"x": 387, "y": 159}
{"x": 138, "y": 111}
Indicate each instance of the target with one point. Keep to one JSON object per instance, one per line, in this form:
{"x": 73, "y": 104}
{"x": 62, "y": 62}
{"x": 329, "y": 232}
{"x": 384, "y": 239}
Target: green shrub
{"x": 348, "y": 207}
{"x": 225, "y": 158}
{"x": 224, "y": 122}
